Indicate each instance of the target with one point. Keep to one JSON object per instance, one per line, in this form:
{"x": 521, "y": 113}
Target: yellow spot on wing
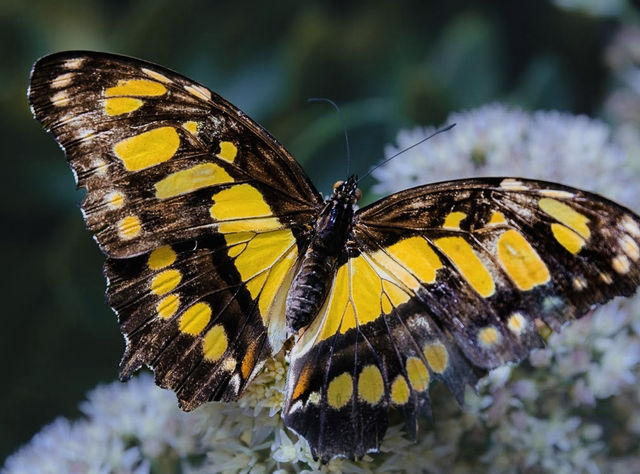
{"x": 228, "y": 151}
{"x": 496, "y": 218}
{"x": 191, "y": 127}
{"x": 121, "y": 105}
{"x": 400, "y": 391}
{"x": 395, "y": 295}
{"x": 437, "y": 357}
{"x": 136, "y": 87}
{"x": 237, "y": 243}
{"x": 265, "y": 263}
{"x": 165, "y": 281}
{"x": 340, "y": 391}
{"x": 370, "y": 385}
{"x": 566, "y": 215}
{"x": 417, "y": 373}
{"x": 368, "y": 285}
{"x": 488, "y": 336}
{"x": 191, "y": 179}
{"x": 148, "y": 148}
{"x": 366, "y": 288}
{"x": 453, "y": 220}
{"x": 336, "y": 303}
{"x": 520, "y": 261}
{"x": 468, "y": 263}
{"x": 115, "y": 200}
{"x": 161, "y": 257}
{"x": 261, "y": 253}
{"x": 417, "y": 256}
{"x": 214, "y": 342}
{"x": 129, "y": 227}
{"x": 276, "y": 278}
{"x": 168, "y": 306}
{"x": 516, "y": 323}
{"x": 195, "y": 319}
{"x": 242, "y": 208}
{"x": 567, "y": 238}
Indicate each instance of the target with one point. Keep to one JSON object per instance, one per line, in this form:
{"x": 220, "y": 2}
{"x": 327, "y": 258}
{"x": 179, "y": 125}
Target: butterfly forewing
{"x": 161, "y": 156}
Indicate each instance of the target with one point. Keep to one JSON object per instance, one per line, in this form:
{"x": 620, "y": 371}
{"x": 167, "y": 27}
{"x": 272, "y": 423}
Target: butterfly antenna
{"x": 344, "y": 126}
{"x": 443, "y": 129}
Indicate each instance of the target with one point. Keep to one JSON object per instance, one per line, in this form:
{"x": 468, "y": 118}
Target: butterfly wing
{"x": 200, "y": 211}
{"x": 445, "y": 282}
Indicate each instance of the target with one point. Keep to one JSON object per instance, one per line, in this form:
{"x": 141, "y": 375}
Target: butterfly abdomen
{"x": 319, "y": 264}
{"x": 310, "y": 288}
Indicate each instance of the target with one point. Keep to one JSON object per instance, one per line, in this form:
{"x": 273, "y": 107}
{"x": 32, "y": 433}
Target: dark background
{"x": 388, "y": 64}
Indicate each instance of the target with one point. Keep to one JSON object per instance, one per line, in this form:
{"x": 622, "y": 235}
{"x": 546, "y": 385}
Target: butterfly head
{"x": 347, "y": 190}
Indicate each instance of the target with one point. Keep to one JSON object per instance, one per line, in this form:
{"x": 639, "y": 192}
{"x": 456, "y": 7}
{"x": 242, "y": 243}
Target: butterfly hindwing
{"x": 444, "y": 282}
{"x": 200, "y": 211}
{"x": 186, "y": 311}
{"x": 372, "y": 347}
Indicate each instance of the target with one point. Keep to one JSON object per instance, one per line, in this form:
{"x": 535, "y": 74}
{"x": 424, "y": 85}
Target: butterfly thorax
{"x": 318, "y": 266}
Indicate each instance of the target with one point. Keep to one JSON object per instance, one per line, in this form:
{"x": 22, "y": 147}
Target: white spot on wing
{"x": 513, "y": 185}
{"x": 621, "y": 264}
{"x": 630, "y": 226}
{"x": 74, "y": 63}
{"x": 199, "y": 92}
{"x": 579, "y": 283}
{"x": 554, "y": 193}
{"x": 156, "y": 75}
{"x": 60, "y": 99}
{"x": 62, "y": 80}
{"x": 630, "y": 247}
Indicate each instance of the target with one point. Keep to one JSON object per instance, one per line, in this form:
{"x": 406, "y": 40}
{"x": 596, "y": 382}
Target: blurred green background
{"x": 388, "y": 64}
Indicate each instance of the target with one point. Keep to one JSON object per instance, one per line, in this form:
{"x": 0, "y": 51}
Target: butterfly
{"x": 220, "y": 249}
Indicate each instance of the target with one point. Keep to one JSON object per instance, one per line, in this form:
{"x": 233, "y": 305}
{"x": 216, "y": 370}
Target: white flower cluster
{"x": 573, "y": 407}
{"x": 494, "y": 140}
{"x": 596, "y": 8}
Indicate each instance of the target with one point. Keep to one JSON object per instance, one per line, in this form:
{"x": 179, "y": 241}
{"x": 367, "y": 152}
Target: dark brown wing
{"x": 443, "y": 282}
{"x": 200, "y": 211}
{"x": 153, "y": 148}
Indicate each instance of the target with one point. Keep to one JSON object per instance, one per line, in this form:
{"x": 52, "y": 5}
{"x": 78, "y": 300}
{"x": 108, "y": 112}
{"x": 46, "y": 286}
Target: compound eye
{"x": 358, "y": 194}
{"x": 337, "y": 184}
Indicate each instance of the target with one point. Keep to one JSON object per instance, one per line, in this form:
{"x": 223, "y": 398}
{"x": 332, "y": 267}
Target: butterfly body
{"x": 318, "y": 266}
{"x": 219, "y": 249}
